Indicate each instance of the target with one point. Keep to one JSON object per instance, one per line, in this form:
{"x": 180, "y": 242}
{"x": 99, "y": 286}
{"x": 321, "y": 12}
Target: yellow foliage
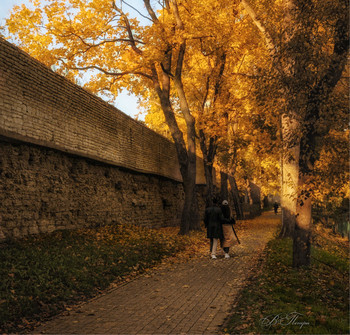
{"x": 229, "y": 79}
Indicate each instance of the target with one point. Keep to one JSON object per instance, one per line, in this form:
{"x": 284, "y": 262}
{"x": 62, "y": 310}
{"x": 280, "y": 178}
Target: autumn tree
{"x": 213, "y": 45}
{"x": 332, "y": 168}
{"x": 100, "y": 36}
{"x": 214, "y": 79}
{"x": 308, "y": 46}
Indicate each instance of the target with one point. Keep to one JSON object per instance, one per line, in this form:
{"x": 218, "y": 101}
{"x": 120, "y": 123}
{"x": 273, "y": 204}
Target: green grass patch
{"x": 40, "y": 276}
{"x": 279, "y": 299}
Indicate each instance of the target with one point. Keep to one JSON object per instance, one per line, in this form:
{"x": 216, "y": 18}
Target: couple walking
{"x": 218, "y": 222}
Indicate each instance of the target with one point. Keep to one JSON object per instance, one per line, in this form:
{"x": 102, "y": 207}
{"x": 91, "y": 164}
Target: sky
{"x": 126, "y": 102}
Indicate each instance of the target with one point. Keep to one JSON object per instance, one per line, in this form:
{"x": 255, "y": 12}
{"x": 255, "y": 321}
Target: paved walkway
{"x": 188, "y": 298}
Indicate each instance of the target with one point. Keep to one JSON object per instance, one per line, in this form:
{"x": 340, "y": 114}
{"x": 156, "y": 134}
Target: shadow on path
{"x": 188, "y": 298}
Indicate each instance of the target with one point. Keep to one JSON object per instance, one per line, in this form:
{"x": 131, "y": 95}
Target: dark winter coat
{"x": 227, "y": 213}
{"x": 213, "y": 221}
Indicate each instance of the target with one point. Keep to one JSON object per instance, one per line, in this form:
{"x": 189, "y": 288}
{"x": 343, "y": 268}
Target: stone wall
{"x": 68, "y": 159}
{"x": 41, "y": 107}
{"x": 43, "y": 189}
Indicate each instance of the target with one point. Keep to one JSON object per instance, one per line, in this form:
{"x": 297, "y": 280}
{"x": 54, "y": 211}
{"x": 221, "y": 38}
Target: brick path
{"x": 187, "y": 298}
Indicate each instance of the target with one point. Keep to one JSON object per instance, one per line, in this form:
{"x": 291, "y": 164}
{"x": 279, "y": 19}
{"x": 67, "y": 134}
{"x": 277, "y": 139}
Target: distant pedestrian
{"x": 213, "y": 220}
{"x": 228, "y": 239}
{"x": 275, "y": 207}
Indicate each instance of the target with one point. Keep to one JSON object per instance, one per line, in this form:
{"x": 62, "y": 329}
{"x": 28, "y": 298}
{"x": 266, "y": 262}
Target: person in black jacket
{"x": 213, "y": 220}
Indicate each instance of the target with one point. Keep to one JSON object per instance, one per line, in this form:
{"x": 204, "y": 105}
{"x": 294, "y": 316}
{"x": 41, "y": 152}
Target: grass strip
{"x": 279, "y": 299}
{"x": 40, "y": 276}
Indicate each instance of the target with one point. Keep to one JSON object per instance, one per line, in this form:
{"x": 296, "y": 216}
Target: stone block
{"x": 33, "y": 230}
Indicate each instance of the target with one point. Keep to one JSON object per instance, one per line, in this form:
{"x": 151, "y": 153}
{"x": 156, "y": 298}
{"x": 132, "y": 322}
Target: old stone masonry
{"x": 189, "y": 298}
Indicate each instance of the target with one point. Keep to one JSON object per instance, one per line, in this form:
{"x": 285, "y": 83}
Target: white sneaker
{"x": 227, "y": 256}
{"x": 213, "y": 257}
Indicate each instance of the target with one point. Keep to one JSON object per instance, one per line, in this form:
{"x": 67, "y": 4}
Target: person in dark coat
{"x": 228, "y": 238}
{"x": 275, "y": 207}
{"x": 213, "y": 220}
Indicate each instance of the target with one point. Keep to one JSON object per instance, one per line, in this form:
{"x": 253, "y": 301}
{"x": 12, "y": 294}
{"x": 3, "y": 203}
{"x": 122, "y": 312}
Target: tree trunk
{"x": 301, "y": 247}
{"x": 302, "y": 231}
{"x": 236, "y": 201}
{"x": 223, "y": 183}
{"x": 208, "y": 171}
{"x": 190, "y": 217}
{"x": 309, "y": 149}
{"x": 186, "y": 158}
{"x": 208, "y": 152}
{"x": 290, "y": 175}
{"x": 290, "y": 172}
{"x": 249, "y": 192}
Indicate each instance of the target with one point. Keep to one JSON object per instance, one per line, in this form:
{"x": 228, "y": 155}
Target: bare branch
{"x": 179, "y": 22}
{"x": 117, "y": 40}
{"x": 182, "y": 49}
{"x": 260, "y": 25}
{"x": 156, "y": 80}
{"x": 206, "y": 93}
{"x": 218, "y": 84}
{"x": 253, "y": 76}
{"x": 128, "y": 29}
{"x": 150, "y": 11}
{"x": 136, "y": 10}
{"x": 201, "y": 37}
{"x": 89, "y": 45}
{"x": 164, "y": 4}
{"x": 166, "y": 71}
{"x": 180, "y": 61}
{"x": 116, "y": 74}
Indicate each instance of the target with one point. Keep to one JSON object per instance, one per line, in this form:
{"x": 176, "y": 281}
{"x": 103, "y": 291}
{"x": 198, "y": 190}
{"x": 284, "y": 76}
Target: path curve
{"x": 187, "y": 298}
